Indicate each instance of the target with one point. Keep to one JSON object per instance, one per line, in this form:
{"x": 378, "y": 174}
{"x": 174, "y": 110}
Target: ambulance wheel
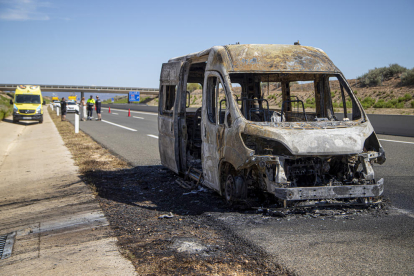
{"x": 15, "y": 120}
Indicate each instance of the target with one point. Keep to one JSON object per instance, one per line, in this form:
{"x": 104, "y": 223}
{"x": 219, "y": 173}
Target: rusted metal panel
{"x": 279, "y": 58}
{"x": 170, "y": 73}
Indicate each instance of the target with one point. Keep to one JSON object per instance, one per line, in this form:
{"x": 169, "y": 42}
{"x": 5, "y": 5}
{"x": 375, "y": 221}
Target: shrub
{"x": 406, "y": 98}
{"x": 412, "y": 104}
{"x": 193, "y": 86}
{"x": 374, "y": 76}
{"x": 379, "y": 104}
{"x": 407, "y": 78}
{"x": 367, "y": 102}
{"x": 348, "y": 104}
{"x": 355, "y": 92}
{"x": 399, "y": 105}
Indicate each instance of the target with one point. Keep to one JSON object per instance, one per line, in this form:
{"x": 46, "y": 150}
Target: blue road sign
{"x": 112, "y": 99}
{"x": 134, "y": 96}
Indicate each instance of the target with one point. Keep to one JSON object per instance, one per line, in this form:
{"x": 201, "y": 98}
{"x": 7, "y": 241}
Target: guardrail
{"x": 83, "y": 88}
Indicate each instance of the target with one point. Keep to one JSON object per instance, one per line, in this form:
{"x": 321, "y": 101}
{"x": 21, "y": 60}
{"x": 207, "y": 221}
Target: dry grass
{"x": 88, "y": 154}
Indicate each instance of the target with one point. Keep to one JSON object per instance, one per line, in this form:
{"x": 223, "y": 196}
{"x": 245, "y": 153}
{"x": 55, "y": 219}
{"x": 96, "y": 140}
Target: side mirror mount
{"x": 11, "y": 102}
{"x": 44, "y": 102}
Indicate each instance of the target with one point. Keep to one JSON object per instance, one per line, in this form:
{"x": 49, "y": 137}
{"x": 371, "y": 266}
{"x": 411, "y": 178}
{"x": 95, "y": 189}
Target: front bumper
{"x": 35, "y": 117}
{"x": 330, "y": 192}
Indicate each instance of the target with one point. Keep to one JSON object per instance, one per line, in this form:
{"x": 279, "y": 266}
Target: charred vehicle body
{"x": 236, "y": 141}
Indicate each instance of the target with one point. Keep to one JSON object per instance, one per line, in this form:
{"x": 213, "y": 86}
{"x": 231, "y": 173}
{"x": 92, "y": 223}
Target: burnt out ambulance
{"x": 297, "y": 146}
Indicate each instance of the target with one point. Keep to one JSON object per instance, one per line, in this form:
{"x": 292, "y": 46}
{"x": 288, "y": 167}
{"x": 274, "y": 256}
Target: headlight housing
{"x": 39, "y": 109}
{"x": 264, "y": 146}
{"x": 15, "y": 109}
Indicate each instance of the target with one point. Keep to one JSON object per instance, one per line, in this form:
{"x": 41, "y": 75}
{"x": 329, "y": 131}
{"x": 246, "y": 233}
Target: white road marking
{"x": 153, "y": 136}
{"x": 115, "y": 113}
{"x": 396, "y": 141}
{"x": 132, "y": 111}
{"x": 131, "y": 129}
{"x": 137, "y": 117}
{"x": 405, "y": 212}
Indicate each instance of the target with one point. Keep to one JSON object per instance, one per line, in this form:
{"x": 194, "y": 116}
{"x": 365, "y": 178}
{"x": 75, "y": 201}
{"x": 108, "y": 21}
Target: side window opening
{"x": 211, "y": 99}
{"x": 222, "y": 103}
{"x": 168, "y": 98}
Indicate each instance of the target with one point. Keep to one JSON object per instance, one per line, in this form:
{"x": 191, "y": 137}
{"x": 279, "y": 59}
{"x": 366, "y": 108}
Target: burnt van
{"x": 243, "y": 138}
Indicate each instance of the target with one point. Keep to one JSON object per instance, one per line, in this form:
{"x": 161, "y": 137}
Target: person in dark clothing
{"x": 90, "y": 103}
{"x": 98, "y": 108}
{"x": 63, "y": 107}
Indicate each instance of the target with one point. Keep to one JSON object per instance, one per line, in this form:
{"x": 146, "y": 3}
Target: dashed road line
{"x": 132, "y": 111}
{"x": 131, "y": 129}
{"x": 153, "y": 136}
{"x": 138, "y": 117}
{"x": 395, "y": 141}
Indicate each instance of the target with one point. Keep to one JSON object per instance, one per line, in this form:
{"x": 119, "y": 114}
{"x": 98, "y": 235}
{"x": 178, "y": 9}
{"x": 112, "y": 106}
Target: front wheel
{"x": 41, "y": 120}
{"x": 15, "y": 120}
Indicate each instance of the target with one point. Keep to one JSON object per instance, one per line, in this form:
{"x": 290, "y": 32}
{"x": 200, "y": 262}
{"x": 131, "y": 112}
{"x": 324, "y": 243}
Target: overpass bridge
{"x": 84, "y": 89}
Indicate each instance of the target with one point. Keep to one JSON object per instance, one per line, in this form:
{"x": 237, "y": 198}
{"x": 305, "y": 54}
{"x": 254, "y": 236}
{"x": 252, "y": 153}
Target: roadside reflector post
{"x": 57, "y": 110}
{"x": 51, "y": 106}
{"x": 76, "y": 121}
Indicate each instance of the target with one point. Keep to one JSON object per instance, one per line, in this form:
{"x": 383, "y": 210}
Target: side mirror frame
{"x": 44, "y": 102}
{"x": 11, "y": 102}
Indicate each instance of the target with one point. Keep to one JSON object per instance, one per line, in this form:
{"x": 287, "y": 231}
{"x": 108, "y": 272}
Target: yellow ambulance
{"x": 27, "y": 103}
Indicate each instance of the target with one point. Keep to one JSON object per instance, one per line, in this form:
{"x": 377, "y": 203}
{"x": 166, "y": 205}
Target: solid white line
{"x": 137, "y": 117}
{"x": 131, "y": 129}
{"x": 396, "y": 141}
{"x": 132, "y": 111}
{"x": 115, "y": 113}
{"x": 153, "y": 136}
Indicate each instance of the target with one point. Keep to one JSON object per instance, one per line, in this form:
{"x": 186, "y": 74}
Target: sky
{"x": 124, "y": 43}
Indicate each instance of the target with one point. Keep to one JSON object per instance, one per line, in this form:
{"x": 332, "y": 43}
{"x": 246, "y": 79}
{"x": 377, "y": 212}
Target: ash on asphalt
{"x": 165, "y": 229}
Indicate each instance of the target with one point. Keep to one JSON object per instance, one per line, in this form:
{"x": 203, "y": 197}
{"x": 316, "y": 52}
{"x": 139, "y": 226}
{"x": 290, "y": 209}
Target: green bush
{"x": 399, "y": 105}
{"x": 407, "y": 97}
{"x": 407, "y": 78}
{"x": 367, "y": 102}
{"x": 412, "y": 104}
{"x": 374, "y": 76}
{"x": 193, "y": 86}
{"x": 379, "y": 104}
{"x": 348, "y": 104}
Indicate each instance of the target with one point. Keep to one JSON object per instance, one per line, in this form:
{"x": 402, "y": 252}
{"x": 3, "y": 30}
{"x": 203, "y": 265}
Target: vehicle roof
{"x": 27, "y": 88}
{"x": 264, "y": 58}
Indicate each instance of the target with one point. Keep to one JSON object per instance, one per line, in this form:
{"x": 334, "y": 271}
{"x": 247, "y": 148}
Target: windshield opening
{"x": 32, "y": 99}
{"x": 283, "y": 97}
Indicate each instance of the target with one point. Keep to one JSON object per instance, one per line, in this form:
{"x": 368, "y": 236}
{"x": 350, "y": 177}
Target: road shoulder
{"x": 58, "y": 224}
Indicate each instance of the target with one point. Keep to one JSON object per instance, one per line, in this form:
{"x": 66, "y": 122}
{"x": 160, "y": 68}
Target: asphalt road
{"x": 135, "y": 138}
{"x": 373, "y": 244}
